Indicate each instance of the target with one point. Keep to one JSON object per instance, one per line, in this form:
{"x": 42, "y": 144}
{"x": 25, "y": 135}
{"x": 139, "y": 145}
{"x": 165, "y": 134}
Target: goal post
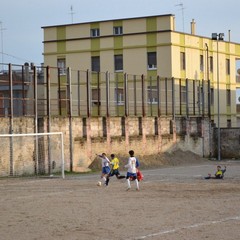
{"x": 32, "y": 154}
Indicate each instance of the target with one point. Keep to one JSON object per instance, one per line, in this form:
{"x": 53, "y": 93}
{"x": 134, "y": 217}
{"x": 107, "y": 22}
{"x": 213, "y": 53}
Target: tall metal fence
{"x": 27, "y": 90}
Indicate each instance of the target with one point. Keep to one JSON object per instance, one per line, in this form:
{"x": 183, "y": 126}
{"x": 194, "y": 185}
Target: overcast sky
{"x": 22, "y": 35}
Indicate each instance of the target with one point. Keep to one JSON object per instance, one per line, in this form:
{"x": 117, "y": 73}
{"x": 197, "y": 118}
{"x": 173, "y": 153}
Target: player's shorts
{"x": 106, "y": 170}
{"x": 115, "y": 172}
{"x": 131, "y": 175}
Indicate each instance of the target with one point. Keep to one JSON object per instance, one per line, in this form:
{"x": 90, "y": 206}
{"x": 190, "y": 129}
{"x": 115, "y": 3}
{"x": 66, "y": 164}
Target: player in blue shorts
{"x": 115, "y": 167}
{"x": 105, "y": 168}
{"x": 132, "y": 170}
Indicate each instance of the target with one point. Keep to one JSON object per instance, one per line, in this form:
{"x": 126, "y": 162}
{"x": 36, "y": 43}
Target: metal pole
{"x": 88, "y": 94}
{"x": 69, "y": 85}
{"x": 218, "y": 105}
{"x": 36, "y": 118}
{"x": 126, "y": 95}
{"x": 107, "y": 94}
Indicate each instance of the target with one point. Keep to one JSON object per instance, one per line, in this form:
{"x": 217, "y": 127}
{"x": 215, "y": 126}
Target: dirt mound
{"x": 174, "y": 158}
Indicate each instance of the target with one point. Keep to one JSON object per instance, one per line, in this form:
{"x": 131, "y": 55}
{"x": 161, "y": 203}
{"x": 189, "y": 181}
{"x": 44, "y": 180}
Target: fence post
{"x": 143, "y": 96}
{"x": 107, "y": 94}
{"x": 69, "y": 94}
{"x": 135, "y": 94}
{"x": 126, "y": 95}
{"x": 88, "y": 94}
{"x": 203, "y": 99}
{"x": 59, "y": 93}
{"x": 48, "y": 118}
{"x": 166, "y": 97}
{"x": 187, "y": 99}
{"x": 79, "y": 98}
{"x": 11, "y": 167}
{"x": 194, "y": 97}
{"x": 180, "y": 96}
{"x": 158, "y": 96}
{"x": 173, "y": 98}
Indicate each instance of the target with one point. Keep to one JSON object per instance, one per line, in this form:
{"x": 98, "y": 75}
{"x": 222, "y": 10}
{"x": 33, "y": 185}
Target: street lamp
{"x": 218, "y": 37}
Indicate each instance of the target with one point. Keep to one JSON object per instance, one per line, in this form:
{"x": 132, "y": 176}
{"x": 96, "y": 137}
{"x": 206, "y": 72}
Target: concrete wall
{"x": 84, "y": 137}
{"x": 229, "y": 143}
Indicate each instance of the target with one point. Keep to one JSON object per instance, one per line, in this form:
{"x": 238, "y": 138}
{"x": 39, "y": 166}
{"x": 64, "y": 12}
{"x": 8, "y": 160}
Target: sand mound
{"x": 174, "y": 158}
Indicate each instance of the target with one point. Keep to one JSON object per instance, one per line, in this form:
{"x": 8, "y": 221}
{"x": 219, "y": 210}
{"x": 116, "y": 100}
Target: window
{"x": 182, "y": 61}
{"x": 152, "y": 60}
{"x": 201, "y": 63}
{"x": 211, "y": 64}
{"x": 96, "y": 64}
{"x": 95, "y": 32}
{"x": 118, "y": 62}
{"x": 228, "y": 66}
{"x": 117, "y": 30}
{"x": 61, "y": 64}
{"x": 96, "y": 96}
{"x": 228, "y": 97}
{"x": 152, "y": 94}
{"x": 119, "y": 96}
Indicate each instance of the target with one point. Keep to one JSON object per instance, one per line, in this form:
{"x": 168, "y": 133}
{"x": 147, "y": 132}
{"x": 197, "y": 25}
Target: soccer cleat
{"x": 137, "y": 189}
{"x": 128, "y": 189}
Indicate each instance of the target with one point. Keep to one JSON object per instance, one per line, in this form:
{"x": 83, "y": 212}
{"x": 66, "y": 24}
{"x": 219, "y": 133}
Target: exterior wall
{"x": 141, "y": 35}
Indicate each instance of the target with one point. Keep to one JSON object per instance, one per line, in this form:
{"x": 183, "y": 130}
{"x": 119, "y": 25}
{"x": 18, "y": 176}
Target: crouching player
{"x": 132, "y": 170}
{"x": 219, "y": 173}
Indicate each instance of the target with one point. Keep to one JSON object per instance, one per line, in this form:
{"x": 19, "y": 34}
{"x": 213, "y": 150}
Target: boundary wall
{"x": 86, "y": 137}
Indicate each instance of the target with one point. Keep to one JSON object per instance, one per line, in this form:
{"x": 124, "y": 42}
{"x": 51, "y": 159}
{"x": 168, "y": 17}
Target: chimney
{"x": 193, "y": 27}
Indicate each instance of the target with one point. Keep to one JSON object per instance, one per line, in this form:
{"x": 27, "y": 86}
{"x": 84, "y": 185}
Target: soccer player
{"x": 132, "y": 170}
{"x": 219, "y": 173}
{"x": 105, "y": 168}
{"x": 115, "y": 167}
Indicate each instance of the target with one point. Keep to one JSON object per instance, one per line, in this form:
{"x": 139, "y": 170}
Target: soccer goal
{"x": 30, "y": 154}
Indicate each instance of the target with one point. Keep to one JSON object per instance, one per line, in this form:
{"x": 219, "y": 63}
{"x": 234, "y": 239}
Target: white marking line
{"x": 237, "y": 218}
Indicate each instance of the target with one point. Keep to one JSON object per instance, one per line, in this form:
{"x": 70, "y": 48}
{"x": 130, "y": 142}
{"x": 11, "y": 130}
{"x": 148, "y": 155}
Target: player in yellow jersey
{"x": 219, "y": 173}
{"x": 115, "y": 167}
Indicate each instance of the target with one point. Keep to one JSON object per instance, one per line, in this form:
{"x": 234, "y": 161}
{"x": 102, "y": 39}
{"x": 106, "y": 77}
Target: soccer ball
{"x": 99, "y": 184}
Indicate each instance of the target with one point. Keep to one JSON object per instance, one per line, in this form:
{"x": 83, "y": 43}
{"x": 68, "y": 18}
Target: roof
{"x": 110, "y": 20}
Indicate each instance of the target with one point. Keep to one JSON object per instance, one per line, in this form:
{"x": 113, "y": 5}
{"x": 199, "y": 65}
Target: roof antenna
{"x": 1, "y": 30}
{"x": 182, "y": 9}
{"x": 71, "y": 12}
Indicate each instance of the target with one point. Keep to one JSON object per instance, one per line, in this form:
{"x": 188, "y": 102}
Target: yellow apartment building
{"x": 150, "y": 46}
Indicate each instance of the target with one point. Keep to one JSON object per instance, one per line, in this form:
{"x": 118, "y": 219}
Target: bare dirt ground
{"x": 174, "y": 202}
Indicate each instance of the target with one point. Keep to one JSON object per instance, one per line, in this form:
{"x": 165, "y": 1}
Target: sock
{"x": 104, "y": 179}
{"x": 128, "y": 183}
{"x": 137, "y": 184}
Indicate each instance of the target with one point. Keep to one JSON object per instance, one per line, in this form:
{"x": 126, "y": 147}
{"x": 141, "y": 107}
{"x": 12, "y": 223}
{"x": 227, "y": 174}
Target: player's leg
{"x": 137, "y": 184}
{"x": 128, "y": 181}
{"x": 108, "y": 172}
{"x": 117, "y": 173}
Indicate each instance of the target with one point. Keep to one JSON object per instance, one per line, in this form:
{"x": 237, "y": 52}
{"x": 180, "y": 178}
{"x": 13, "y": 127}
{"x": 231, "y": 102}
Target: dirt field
{"x": 174, "y": 202}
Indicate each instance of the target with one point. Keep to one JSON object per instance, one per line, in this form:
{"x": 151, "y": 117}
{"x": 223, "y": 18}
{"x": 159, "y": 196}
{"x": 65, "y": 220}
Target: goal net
{"x": 32, "y": 154}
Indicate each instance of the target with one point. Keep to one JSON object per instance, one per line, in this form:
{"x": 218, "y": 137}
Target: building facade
{"x": 150, "y": 46}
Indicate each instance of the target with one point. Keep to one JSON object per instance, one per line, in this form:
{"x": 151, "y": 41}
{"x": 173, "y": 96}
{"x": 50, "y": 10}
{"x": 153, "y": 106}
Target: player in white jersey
{"x": 132, "y": 170}
{"x": 105, "y": 168}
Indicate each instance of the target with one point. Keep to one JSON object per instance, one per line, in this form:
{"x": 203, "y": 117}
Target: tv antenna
{"x": 1, "y": 30}
{"x": 182, "y": 9}
{"x": 72, "y": 13}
